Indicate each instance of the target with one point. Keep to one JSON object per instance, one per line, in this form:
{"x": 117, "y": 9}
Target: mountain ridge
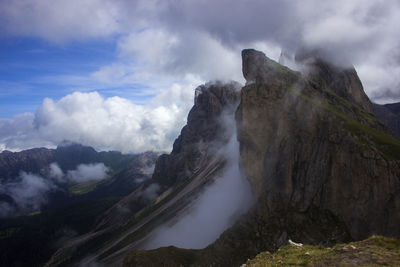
{"x": 67, "y": 208}
{"x": 313, "y": 152}
{"x": 323, "y": 170}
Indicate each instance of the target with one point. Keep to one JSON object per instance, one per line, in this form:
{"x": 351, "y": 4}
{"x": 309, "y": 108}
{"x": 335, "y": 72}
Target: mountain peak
{"x": 319, "y": 72}
{"x": 257, "y": 67}
{"x": 343, "y": 81}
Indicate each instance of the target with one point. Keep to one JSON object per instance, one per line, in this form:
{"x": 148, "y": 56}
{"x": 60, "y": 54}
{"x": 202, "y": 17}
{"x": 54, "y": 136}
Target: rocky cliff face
{"x": 309, "y": 142}
{"x": 323, "y": 168}
{"x": 343, "y": 81}
{"x": 203, "y": 132}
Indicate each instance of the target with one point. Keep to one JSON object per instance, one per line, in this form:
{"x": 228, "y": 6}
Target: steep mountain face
{"x": 316, "y": 146}
{"x": 323, "y": 168}
{"x": 178, "y": 179}
{"x": 344, "y": 82}
{"x": 204, "y": 130}
{"x": 390, "y": 115}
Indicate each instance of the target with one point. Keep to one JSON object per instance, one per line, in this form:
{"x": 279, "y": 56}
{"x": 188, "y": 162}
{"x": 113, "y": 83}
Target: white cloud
{"x": 109, "y": 124}
{"x": 58, "y": 20}
{"x": 151, "y": 192}
{"x": 18, "y": 133}
{"x": 204, "y": 38}
{"x": 381, "y": 81}
{"x": 171, "y": 47}
{"x": 56, "y": 172}
{"x": 88, "y": 172}
{"x": 28, "y": 192}
{"x": 178, "y": 55}
{"x": 215, "y": 210}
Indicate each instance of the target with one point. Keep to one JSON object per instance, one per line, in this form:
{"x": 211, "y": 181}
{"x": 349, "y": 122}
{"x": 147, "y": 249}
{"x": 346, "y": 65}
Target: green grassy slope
{"x": 374, "y": 251}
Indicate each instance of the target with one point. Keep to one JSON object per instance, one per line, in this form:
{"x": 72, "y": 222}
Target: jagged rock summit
{"x": 256, "y": 67}
{"x": 342, "y": 80}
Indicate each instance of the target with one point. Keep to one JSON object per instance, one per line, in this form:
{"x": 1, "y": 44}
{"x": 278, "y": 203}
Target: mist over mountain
{"x": 255, "y": 166}
{"x": 211, "y": 155}
{"x": 48, "y": 196}
{"x": 292, "y": 155}
{"x": 297, "y": 134}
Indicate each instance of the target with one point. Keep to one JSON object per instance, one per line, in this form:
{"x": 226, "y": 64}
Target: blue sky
{"x": 32, "y": 69}
{"x": 120, "y": 74}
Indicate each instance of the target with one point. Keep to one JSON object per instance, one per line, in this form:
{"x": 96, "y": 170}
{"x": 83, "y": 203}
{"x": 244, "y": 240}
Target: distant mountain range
{"x": 390, "y": 115}
{"x": 53, "y": 206}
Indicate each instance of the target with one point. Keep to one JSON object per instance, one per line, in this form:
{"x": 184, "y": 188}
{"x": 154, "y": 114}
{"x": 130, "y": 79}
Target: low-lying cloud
{"x": 81, "y": 174}
{"x": 29, "y": 192}
{"x": 151, "y": 192}
{"x": 216, "y": 209}
{"x": 88, "y": 172}
{"x": 55, "y": 172}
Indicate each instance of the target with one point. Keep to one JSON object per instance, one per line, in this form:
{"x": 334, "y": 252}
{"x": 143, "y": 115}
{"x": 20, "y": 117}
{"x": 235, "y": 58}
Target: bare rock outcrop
{"x": 204, "y": 131}
{"x": 303, "y": 147}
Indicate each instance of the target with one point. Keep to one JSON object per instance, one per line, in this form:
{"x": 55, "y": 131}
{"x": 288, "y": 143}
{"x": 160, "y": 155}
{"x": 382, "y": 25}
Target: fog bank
{"x": 216, "y": 209}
